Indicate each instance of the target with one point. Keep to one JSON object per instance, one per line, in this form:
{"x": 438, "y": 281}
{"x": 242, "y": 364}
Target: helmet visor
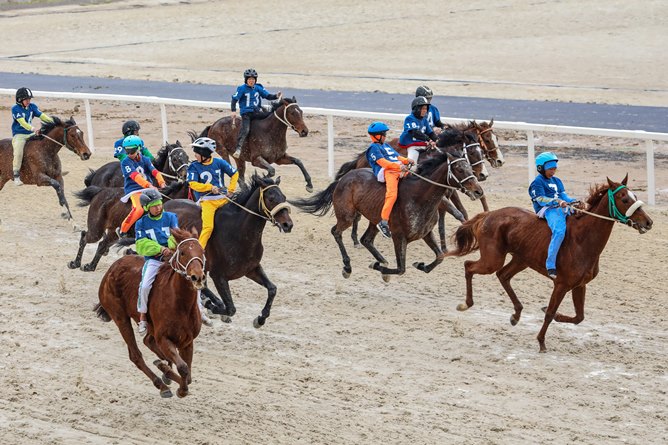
{"x": 550, "y": 164}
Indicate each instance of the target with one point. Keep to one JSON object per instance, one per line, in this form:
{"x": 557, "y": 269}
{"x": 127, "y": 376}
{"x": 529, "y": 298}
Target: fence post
{"x": 651, "y": 186}
{"x": 89, "y": 124}
{"x": 165, "y": 132}
{"x": 330, "y": 145}
{"x": 531, "y": 155}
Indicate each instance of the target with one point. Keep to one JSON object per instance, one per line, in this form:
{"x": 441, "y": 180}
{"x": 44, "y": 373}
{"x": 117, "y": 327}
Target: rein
{"x": 270, "y": 214}
{"x": 176, "y": 258}
{"x": 450, "y": 175}
{"x": 171, "y": 164}
{"x": 64, "y": 139}
{"x": 613, "y": 211}
{"x": 285, "y": 120}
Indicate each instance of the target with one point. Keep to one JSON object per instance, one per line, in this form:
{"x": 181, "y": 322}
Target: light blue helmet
{"x": 546, "y": 161}
{"x": 132, "y": 143}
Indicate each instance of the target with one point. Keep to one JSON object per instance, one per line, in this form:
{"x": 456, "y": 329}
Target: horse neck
{"x": 427, "y": 193}
{"x": 596, "y": 231}
{"x": 273, "y": 125}
{"x": 246, "y": 222}
{"x": 185, "y": 296}
{"x": 51, "y": 146}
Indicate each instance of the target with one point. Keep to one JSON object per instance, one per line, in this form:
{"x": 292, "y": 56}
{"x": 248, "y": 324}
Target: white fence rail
{"x": 648, "y": 137}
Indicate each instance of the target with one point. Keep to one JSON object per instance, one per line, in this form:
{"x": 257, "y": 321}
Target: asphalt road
{"x": 621, "y": 117}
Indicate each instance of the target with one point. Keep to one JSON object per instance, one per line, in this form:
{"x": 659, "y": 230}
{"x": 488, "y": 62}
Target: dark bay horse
{"x": 522, "y": 234}
{"x": 173, "y": 316}
{"x": 235, "y": 249}
{"x": 487, "y": 140}
{"x": 106, "y": 212}
{"x": 171, "y": 160}
{"x": 266, "y": 143}
{"x": 41, "y": 164}
{"x": 413, "y": 216}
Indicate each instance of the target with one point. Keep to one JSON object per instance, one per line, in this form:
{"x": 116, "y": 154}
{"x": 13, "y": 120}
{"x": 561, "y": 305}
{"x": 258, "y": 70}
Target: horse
{"x": 41, "y": 164}
{"x": 107, "y": 212}
{"x": 451, "y": 140}
{"x": 266, "y": 143}
{"x": 171, "y": 160}
{"x": 174, "y": 320}
{"x": 522, "y": 234}
{"x": 235, "y": 248}
{"x": 487, "y": 140}
{"x": 413, "y": 215}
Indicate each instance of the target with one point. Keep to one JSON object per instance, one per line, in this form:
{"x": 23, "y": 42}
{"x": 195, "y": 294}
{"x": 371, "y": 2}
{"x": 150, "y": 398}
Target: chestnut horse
{"x": 106, "y": 212}
{"x": 41, "y": 164}
{"x": 174, "y": 319}
{"x": 522, "y": 234}
{"x": 235, "y": 249}
{"x": 171, "y": 160}
{"x": 413, "y": 216}
{"x": 266, "y": 143}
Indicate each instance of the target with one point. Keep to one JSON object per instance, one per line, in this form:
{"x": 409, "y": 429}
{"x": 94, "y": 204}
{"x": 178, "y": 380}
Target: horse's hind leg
{"x": 578, "y": 294}
{"x": 490, "y": 261}
{"x": 558, "y": 294}
{"x": 368, "y": 237}
{"x": 261, "y": 278}
{"x": 353, "y": 235}
{"x": 336, "y": 233}
{"x": 504, "y": 275}
{"x": 291, "y": 160}
{"x": 82, "y": 245}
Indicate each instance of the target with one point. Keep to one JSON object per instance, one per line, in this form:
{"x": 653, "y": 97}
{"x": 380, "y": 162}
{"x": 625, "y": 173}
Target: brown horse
{"x": 487, "y": 140}
{"x": 235, "y": 249}
{"x": 522, "y": 234}
{"x": 174, "y": 320}
{"x": 413, "y": 216}
{"x": 41, "y": 164}
{"x": 106, "y": 212}
{"x": 266, "y": 143}
{"x": 171, "y": 160}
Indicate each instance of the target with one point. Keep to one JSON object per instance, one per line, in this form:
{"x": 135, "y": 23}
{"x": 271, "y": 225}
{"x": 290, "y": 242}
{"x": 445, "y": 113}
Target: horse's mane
{"x": 450, "y": 136}
{"x": 255, "y": 182}
{"x": 161, "y": 156}
{"x": 276, "y": 105}
{"x": 596, "y": 193}
{"x": 428, "y": 167}
{"x": 57, "y": 122}
{"x": 180, "y": 234}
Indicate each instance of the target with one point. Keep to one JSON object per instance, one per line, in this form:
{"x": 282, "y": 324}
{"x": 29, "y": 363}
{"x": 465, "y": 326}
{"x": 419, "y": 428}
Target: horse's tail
{"x": 86, "y": 195}
{"x": 320, "y": 203}
{"x": 89, "y": 177}
{"x": 348, "y": 166}
{"x": 466, "y": 235}
{"x": 101, "y": 313}
{"x": 204, "y": 132}
{"x": 193, "y": 135}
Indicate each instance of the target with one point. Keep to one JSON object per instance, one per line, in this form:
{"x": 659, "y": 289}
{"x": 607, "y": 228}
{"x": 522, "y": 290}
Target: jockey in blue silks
{"x": 433, "y": 115}
{"x": 550, "y": 201}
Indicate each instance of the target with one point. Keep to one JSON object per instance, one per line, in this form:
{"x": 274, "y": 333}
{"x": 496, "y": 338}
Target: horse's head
{"x": 178, "y": 160}
{"x": 624, "y": 206}
{"x": 460, "y": 175}
{"x": 473, "y": 153}
{"x": 68, "y": 134}
{"x": 273, "y": 203}
{"x": 488, "y": 142}
{"x": 188, "y": 258}
{"x": 288, "y": 112}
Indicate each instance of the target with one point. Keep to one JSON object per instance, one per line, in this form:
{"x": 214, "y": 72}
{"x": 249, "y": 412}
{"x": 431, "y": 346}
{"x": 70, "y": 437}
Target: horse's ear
{"x": 72, "y": 120}
{"x": 491, "y": 122}
{"x": 178, "y": 143}
{"x": 294, "y": 99}
{"x": 193, "y": 232}
{"x": 610, "y": 183}
{"x": 278, "y": 180}
{"x": 475, "y": 124}
{"x": 626, "y": 179}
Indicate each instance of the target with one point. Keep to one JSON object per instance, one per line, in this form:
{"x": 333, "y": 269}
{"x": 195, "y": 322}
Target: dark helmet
{"x": 22, "y": 94}
{"x": 546, "y": 161}
{"x": 377, "y": 129}
{"x": 418, "y": 103}
{"x": 204, "y": 147}
{"x": 132, "y": 143}
{"x": 130, "y": 127}
{"x": 250, "y": 72}
{"x": 149, "y": 198}
{"x": 424, "y": 91}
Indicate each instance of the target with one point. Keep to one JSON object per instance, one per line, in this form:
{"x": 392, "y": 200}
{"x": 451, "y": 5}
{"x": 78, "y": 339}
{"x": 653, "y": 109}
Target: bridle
{"x": 175, "y": 260}
{"x": 488, "y": 151}
{"x": 466, "y": 154}
{"x": 447, "y": 185}
{"x": 285, "y": 120}
{"x": 64, "y": 144}
{"x": 269, "y": 215}
{"x": 171, "y": 163}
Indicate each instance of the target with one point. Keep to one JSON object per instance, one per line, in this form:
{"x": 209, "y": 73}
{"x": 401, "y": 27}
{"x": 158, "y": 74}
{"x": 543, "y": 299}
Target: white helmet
{"x": 204, "y": 147}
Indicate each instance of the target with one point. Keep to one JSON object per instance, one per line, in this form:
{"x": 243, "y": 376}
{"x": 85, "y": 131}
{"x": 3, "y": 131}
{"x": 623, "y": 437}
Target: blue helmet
{"x": 132, "y": 143}
{"x": 546, "y": 161}
{"x": 378, "y": 128}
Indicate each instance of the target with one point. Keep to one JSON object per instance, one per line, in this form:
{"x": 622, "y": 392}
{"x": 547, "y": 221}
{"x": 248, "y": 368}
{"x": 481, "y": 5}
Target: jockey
{"x": 387, "y": 167}
{"x": 417, "y": 134}
{"x": 135, "y": 167}
{"x": 130, "y": 128}
{"x": 205, "y": 177}
{"x": 433, "y": 115}
{"x": 22, "y": 114}
{"x": 550, "y": 201}
{"x": 155, "y": 242}
{"x": 249, "y": 97}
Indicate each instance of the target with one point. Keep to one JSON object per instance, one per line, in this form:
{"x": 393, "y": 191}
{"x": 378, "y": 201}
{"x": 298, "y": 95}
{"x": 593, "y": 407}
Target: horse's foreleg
{"x": 400, "y": 244}
{"x": 261, "y": 278}
{"x": 261, "y": 162}
{"x": 223, "y": 288}
{"x": 490, "y": 261}
{"x": 172, "y": 354}
{"x": 163, "y": 363}
{"x": 578, "y": 303}
{"x": 558, "y": 294}
{"x": 483, "y": 201}
{"x": 292, "y": 160}
{"x": 59, "y": 187}
{"x": 504, "y": 275}
{"x": 82, "y": 245}
{"x": 430, "y": 240}
{"x": 459, "y": 206}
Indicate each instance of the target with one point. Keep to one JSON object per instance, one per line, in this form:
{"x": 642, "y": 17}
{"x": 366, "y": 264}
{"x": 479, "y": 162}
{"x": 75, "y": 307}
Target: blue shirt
{"x": 433, "y": 115}
{"x": 143, "y": 166}
{"x": 250, "y": 98}
{"x": 413, "y": 123}
{"x": 380, "y": 151}
{"x": 545, "y": 192}
{"x": 210, "y": 174}
{"x": 156, "y": 229}
{"x": 26, "y": 113}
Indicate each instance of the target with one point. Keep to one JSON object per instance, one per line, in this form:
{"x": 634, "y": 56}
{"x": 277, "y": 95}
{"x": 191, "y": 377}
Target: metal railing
{"x": 648, "y": 137}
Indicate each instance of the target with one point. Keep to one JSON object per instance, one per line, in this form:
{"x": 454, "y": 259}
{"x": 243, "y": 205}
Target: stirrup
{"x": 552, "y": 273}
{"x": 142, "y": 326}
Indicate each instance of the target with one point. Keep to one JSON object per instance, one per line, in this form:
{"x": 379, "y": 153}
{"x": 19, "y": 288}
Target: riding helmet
{"x": 130, "y": 127}
{"x": 424, "y": 91}
{"x": 250, "y": 72}
{"x": 150, "y": 198}
{"x": 204, "y": 147}
{"x": 377, "y": 129}
{"x": 417, "y": 103}
{"x": 132, "y": 143}
{"x": 546, "y": 161}
{"x": 22, "y": 94}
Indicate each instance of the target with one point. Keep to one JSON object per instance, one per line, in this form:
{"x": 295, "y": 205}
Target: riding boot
{"x": 243, "y": 134}
{"x": 17, "y": 179}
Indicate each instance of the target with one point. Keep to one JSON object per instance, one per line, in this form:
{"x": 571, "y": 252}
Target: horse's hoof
{"x": 462, "y": 307}
{"x": 419, "y": 266}
{"x": 74, "y": 265}
{"x": 166, "y": 393}
{"x": 544, "y": 309}
{"x": 374, "y": 265}
{"x": 309, "y": 188}
{"x": 182, "y": 393}
{"x": 513, "y": 320}
{"x": 88, "y": 268}
{"x": 345, "y": 273}
{"x": 357, "y": 245}
{"x": 226, "y": 318}
{"x": 386, "y": 278}
{"x": 166, "y": 380}
{"x": 257, "y": 324}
